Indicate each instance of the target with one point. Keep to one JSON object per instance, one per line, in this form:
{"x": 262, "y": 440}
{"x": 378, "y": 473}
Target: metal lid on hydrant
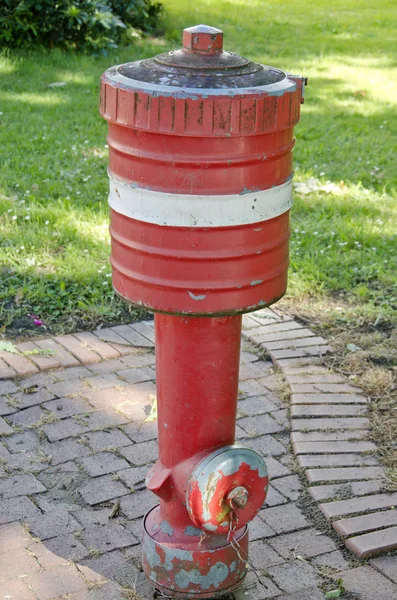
{"x": 201, "y": 64}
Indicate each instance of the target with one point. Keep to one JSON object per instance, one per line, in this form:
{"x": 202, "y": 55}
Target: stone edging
{"x": 329, "y": 435}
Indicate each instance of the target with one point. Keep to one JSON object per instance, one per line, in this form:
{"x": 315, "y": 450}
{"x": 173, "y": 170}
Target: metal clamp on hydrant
{"x": 200, "y": 146}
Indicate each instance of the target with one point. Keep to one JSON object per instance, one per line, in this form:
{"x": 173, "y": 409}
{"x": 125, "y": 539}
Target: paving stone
{"x": 4, "y": 428}
{"x": 6, "y": 371}
{"x": 91, "y": 341}
{"x": 133, "y": 476}
{"x": 67, "y": 546}
{"x": 28, "y": 417}
{"x": 109, "y": 335}
{"x": 317, "y": 398}
{"x": 78, "y": 349}
{"x": 115, "y": 566}
{"x": 63, "y": 429}
{"x": 333, "y": 389}
{"x": 336, "y": 460}
{"x": 103, "y": 440}
{"x": 140, "y": 454}
{"x": 78, "y": 372}
{"x": 103, "y": 463}
{"x": 104, "y": 382}
{"x": 93, "y": 578}
{"x": 294, "y": 577}
{"x": 256, "y": 405}
{"x": 276, "y": 469}
{"x": 105, "y": 368}
{"x": 64, "y": 451}
{"x": 41, "y": 361}
{"x": 107, "y": 591}
{"x": 273, "y": 498}
{"x": 137, "y": 375}
{"x": 356, "y": 505}
{"x": 285, "y": 518}
{"x": 345, "y": 490}
{"x": 266, "y": 445}
{"x": 20, "y": 364}
{"x": 305, "y": 370}
{"x": 55, "y": 522}
{"x": 62, "y": 408}
{"x": 259, "y": 530}
{"x": 46, "y": 558}
{"x": 26, "y": 400}
{"x": 387, "y": 565}
{"x": 131, "y": 336}
{"x": 15, "y": 509}
{"x": 104, "y": 420}
{"x": 290, "y": 486}
{"x": 28, "y": 463}
{"x": 332, "y": 560}
{"x": 139, "y": 359}
{"x": 307, "y": 543}
{"x": 23, "y": 442}
{"x": 355, "y": 525}
{"x": 329, "y": 424}
{"x": 333, "y": 447}
{"x": 7, "y": 387}
{"x": 254, "y": 370}
{"x": 137, "y": 504}
{"x": 5, "y": 407}
{"x": 102, "y": 489}
{"x": 327, "y": 410}
{"x": 368, "y": 584}
{"x": 16, "y": 590}
{"x": 69, "y": 387}
{"x": 329, "y": 436}
{"x": 89, "y": 517}
{"x": 319, "y": 377}
{"x": 144, "y": 328}
{"x": 344, "y": 474}
{"x": 20, "y": 485}
{"x": 105, "y": 538}
{"x": 47, "y": 585}
{"x": 253, "y": 589}
{"x": 62, "y": 356}
{"x": 142, "y": 431}
{"x": 251, "y": 387}
{"x": 262, "y": 556}
{"x": 260, "y": 425}
{"x": 281, "y": 416}
{"x": 280, "y": 356}
{"x": 296, "y": 343}
{"x": 13, "y": 537}
{"x": 302, "y": 362}
{"x": 288, "y": 336}
{"x": 376, "y": 542}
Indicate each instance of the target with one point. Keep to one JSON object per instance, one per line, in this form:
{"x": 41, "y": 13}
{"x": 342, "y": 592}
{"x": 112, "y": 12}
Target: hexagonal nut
{"x": 202, "y": 39}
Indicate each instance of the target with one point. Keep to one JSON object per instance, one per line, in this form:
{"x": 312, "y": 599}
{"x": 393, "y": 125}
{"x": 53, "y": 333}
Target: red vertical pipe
{"x": 197, "y": 365}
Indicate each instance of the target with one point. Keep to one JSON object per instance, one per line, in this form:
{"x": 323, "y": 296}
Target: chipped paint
{"x": 193, "y": 531}
{"x": 257, "y": 282}
{"x": 215, "y": 576}
{"x": 198, "y": 297}
{"x": 166, "y": 528}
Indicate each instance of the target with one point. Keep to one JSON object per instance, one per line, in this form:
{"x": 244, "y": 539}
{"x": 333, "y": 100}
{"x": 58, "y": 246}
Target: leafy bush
{"x": 82, "y": 24}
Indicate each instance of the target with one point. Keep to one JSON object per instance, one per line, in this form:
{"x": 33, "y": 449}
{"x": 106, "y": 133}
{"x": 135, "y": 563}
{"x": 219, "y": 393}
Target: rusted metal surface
{"x": 200, "y": 169}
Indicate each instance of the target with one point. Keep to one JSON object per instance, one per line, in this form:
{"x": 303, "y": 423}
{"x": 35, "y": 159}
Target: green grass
{"x": 53, "y": 160}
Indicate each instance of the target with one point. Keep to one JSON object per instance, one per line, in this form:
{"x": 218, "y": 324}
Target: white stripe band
{"x": 186, "y": 210}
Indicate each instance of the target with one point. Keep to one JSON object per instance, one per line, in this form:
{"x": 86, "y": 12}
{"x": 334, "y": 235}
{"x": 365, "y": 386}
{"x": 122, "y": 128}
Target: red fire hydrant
{"x": 200, "y": 143}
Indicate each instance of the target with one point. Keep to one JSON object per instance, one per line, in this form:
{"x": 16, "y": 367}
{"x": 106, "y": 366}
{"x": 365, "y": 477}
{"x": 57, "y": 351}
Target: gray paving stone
{"x": 68, "y": 547}
{"x": 256, "y": 405}
{"x": 289, "y": 486}
{"x": 64, "y": 451}
{"x": 258, "y": 529}
{"x": 104, "y": 382}
{"x": 103, "y": 463}
{"x": 105, "y": 538}
{"x": 142, "y": 431}
{"x": 274, "y": 498}
{"x": 62, "y": 408}
{"x": 20, "y": 485}
{"x": 345, "y": 490}
{"x": 285, "y": 518}
{"x": 104, "y": 440}
{"x": 313, "y": 593}
{"x": 262, "y": 424}
{"x": 78, "y": 372}
{"x": 137, "y": 375}
{"x": 137, "y": 504}
{"x": 4, "y": 428}
{"x": 23, "y": 442}
{"x": 107, "y": 591}
{"x": 141, "y": 359}
{"x": 7, "y": 387}
{"x": 28, "y": 417}
{"x": 16, "y": 509}
{"x": 140, "y": 454}
{"x": 115, "y": 566}
{"x": 261, "y": 555}
{"x": 294, "y": 577}
{"x": 332, "y": 560}
{"x": 276, "y": 468}
{"x": 63, "y": 429}
{"x": 254, "y": 588}
{"x": 387, "y": 565}
{"x": 133, "y": 476}
{"x": 6, "y": 408}
{"x": 307, "y": 543}
{"x": 102, "y": 489}
{"x": 368, "y": 584}
{"x": 54, "y": 522}
{"x": 26, "y": 400}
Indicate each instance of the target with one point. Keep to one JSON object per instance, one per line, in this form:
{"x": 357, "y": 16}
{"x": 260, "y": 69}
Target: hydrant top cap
{"x": 201, "y": 63}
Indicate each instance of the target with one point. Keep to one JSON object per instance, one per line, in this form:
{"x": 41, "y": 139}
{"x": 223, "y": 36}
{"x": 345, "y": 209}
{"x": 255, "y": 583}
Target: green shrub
{"x": 90, "y": 25}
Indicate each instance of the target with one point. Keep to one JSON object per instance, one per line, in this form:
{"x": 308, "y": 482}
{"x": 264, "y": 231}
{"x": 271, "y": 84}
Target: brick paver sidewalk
{"x": 76, "y": 443}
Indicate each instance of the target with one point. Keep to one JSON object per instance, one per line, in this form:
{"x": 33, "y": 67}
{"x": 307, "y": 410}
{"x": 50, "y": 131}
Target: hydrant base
{"x": 190, "y": 563}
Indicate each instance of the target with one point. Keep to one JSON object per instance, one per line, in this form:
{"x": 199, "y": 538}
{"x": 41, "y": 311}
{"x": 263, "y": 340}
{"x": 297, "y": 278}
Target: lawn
{"x": 53, "y": 208}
